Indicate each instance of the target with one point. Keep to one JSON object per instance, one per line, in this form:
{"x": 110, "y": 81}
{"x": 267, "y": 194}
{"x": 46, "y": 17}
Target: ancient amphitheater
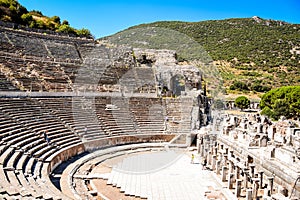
{"x": 86, "y": 120}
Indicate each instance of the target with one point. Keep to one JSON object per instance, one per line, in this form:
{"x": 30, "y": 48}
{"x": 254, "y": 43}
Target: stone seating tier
{"x": 25, "y": 155}
{"x": 42, "y": 62}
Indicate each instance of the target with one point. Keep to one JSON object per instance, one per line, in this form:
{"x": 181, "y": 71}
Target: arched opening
{"x": 193, "y": 140}
{"x": 177, "y": 84}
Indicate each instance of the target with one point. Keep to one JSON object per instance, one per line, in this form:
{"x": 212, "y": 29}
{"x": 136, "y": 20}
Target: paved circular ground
{"x": 180, "y": 179}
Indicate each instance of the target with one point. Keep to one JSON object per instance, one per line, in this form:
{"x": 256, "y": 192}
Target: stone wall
{"x": 69, "y": 152}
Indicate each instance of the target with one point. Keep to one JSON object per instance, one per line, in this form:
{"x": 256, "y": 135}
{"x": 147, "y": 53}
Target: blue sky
{"x": 104, "y": 18}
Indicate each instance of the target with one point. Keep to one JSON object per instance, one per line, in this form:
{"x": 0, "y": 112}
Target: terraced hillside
{"x": 252, "y": 53}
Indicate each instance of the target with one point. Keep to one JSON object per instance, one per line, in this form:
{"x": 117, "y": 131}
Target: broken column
{"x": 224, "y": 170}
{"x": 237, "y": 172}
{"x": 208, "y": 158}
{"x": 255, "y": 187}
{"x": 230, "y": 180}
{"x": 199, "y": 145}
{"x": 261, "y": 174}
{"x": 249, "y": 194}
{"x": 252, "y": 168}
{"x": 218, "y": 167}
{"x": 225, "y": 159}
{"x": 202, "y": 151}
{"x": 259, "y": 128}
{"x": 213, "y": 163}
{"x": 221, "y": 146}
{"x": 211, "y": 148}
{"x": 231, "y": 154}
{"x": 215, "y": 150}
{"x": 270, "y": 185}
{"x": 246, "y": 171}
{"x": 238, "y": 187}
{"x": 221, "y": 157}
{"x": 230, "y": 166}
{"x": 226, "y": 150}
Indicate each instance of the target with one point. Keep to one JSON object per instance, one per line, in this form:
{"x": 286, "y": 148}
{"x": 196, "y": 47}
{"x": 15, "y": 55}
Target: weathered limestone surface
{"x": 262, "y": 153}
{"x": 46, "y": 62}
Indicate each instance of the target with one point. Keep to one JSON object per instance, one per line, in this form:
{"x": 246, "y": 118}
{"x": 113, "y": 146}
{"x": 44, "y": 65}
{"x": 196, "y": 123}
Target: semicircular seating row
{"x": 24, "y": 153}
{"x": 46, "y": 62}
{"x": 77, "y": 180}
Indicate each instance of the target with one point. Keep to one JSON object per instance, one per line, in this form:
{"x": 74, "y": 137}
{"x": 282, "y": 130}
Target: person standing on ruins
{"x": 46, "y": 137}
{"x": 85, "y": 130}
{"x": 192, "y": 158}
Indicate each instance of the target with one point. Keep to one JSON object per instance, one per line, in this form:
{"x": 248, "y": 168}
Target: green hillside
{"x": 12, "y": 11}
{"x": 252, "y": 54}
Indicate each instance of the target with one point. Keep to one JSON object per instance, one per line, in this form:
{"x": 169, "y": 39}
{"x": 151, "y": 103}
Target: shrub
{"x": 27, "y": 18}
{"x": 83, "y": 32}
{"x": 40, "y": 24}
{"x": 66, "y": 29}
{"x": 260, "y": 88}
{"x": 238, "y": 85}
{"x": 242, "y": 102}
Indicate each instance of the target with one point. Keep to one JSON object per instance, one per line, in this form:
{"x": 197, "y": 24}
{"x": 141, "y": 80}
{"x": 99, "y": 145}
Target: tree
{"x": 267, "y": 112}
{"x": 27, "y": 18}
{"x": 66, "y": 29}
{"x": 55, "y": 19}
{"x": 84, "y": 32}
{"x": 37, "y": 13}
{"x": 283, "y": 101}
{"x": 242, "y": 102}
{"x": 65, "y": 22}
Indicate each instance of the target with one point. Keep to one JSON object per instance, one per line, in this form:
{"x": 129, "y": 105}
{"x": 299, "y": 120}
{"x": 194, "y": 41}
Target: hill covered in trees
{"x": 252, "y": 54}
{"x": 13, "y": 11}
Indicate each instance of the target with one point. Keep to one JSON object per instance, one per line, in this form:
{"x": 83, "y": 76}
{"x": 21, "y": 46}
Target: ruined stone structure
{"x": 230, "y": 105}
{"x": 87, "y": 95}
{"x": 256, "y": 157}
{"x": 179, "y": 79}
{"x": 92, "y": 95}
{"x": 45, "y": 62}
